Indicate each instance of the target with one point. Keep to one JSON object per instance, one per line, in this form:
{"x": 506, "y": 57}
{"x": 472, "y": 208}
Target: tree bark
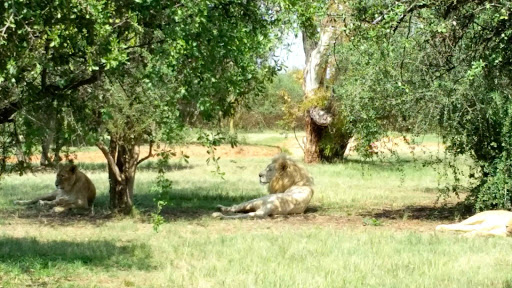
{"x": 58, "y": 139}
{"x": 318, "y": 119}
{"x": 46, "y": 142}
{"x": 314, "y": 78}
{"x": 232, "y": 125}
{"x": 45, "y": 150}
{"x": 313, "y": 136}
{"x": 122, "y": 165}
{"x": 20, "y": 154}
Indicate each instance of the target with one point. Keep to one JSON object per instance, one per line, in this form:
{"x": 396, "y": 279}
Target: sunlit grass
{"x": 207, "y": 253}
{"x": 330, "y": 247}
{"x": 269, "y": 138}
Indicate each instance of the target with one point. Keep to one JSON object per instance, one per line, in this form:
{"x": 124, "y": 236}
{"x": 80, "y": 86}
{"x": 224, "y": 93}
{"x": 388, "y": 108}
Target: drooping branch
{"x": 150, "y": 154}
{"x": 110, "y": 161}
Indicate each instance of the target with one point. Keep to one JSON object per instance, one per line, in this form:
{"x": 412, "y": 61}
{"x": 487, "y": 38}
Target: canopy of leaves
{"x": 441, "y": 66}
{"x": 115, "y": 64}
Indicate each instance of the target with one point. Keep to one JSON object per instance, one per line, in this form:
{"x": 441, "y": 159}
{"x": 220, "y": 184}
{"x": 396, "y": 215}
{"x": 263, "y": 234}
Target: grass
{"x": 267, "y": 138}
{"x": 337, "y": 244}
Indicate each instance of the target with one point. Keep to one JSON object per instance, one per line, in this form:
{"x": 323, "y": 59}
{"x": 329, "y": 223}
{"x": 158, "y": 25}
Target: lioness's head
{"x": 66, "y": 176}
{"x": 283, "y": 173}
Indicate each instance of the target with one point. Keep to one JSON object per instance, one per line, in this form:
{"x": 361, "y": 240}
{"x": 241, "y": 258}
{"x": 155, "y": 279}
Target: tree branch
{"x": 95, "y": 77}
{"x": 9, "y": 110}
{"x": 110, "y": 161}
{"x": 150, "y": 154}
{"x": 409, "y": 10}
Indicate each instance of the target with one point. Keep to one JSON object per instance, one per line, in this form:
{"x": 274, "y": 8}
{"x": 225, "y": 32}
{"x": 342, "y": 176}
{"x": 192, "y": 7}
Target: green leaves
{"x": 445, "y": 68}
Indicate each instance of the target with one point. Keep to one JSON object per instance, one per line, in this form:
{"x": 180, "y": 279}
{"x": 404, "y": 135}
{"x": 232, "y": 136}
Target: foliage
{"x": 335, "y": 139}
{"x": 435, "y": 66}
{"x": 212, "y": 139}
{"x": 131, "y": 73}
{"x": 162, "y": 189}
{"x": 266, "y": 111}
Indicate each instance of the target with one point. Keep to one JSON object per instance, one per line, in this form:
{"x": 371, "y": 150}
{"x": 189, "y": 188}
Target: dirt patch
{"x": 293, "y": 146}
{"x": 418, "y": 219}
{"x": 307, "y": 221}
{"x": 224, "y": 151}
{"x": 386, "y": 145}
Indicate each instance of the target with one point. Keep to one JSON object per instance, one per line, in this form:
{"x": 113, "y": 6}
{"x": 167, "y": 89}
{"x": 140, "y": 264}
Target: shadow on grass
{"x": 419, "y": 212}
{"x": 190, "y": 204}
{"x": 186, "y": 203}
{"x": 29, "y": 254}
{"x": 386, "y": 163}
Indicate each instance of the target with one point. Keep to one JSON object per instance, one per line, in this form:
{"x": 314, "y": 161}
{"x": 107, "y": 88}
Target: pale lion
{"x": 290, "y": 188}
{"x": 493, "y": 222}
{"x": 74, "y": 190}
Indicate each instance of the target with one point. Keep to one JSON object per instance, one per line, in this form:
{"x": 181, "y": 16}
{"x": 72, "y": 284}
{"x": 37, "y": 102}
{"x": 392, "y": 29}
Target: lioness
{"x": 74, "y": 190}
{"x": 290, "y": 188}
{"x": 493, "y": 222}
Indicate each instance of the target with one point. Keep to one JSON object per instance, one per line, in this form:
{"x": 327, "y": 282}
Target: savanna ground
{"x": 370, "y": 224}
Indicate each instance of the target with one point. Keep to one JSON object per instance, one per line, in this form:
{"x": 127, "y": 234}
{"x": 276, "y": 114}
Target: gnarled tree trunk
{"x": 314, "y": 78}
{"x": 123, "y": 160}
{"x": 319, "y": 118}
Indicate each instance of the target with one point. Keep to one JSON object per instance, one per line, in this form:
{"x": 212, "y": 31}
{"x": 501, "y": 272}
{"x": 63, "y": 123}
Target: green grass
{"x": 267, "y": 138}
{"x": 338, "y": 244}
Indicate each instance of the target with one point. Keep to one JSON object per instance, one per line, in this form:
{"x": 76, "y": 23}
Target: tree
{"x": 124, "y": 71}
{"x": 327, "y": 134}
{"x": 454, "y": 73}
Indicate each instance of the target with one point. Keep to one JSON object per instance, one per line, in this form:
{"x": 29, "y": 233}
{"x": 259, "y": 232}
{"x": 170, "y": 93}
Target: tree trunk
{"x": 46, "y": 142}
{"x": 20, "y": 155}
{"x": 314, "y": 86}
{"x": 122, "y": 164}
{"x": 58, "y": 139}
{"x": 313, "y": 136}
{"x": 121, "y": 193}
{"x": 45, "y": 150}
{"x": 314, "y": 77}
{"x": 232, "y": 125}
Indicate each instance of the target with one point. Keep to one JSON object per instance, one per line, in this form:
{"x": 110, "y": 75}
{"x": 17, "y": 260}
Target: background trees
{"x": 119, "y": 75}
{"x": 442, "y": 66}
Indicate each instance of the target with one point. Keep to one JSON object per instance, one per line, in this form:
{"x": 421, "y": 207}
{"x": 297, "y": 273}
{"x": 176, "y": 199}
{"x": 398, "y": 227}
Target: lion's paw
{"x": 222, "y": 208}
{"x": 217, "y": 215}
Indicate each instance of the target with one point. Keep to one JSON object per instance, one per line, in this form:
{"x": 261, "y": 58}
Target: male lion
{"x": 74, "y": 190}
{"x": 493, "y": 222}
{"x": 290, "y": 192}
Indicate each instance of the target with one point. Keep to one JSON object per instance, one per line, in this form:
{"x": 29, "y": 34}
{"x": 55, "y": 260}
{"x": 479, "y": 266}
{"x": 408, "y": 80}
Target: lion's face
{"x": 284, "y": 173}
{"x": 66, "y": 177}
{"x": 268, "y": 174}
